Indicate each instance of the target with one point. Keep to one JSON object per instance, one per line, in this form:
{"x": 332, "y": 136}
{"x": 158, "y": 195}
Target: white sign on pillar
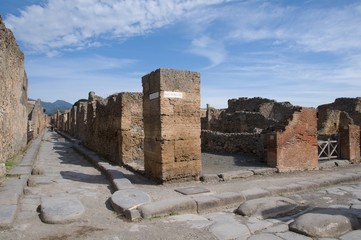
{"x": 168, "y": 94}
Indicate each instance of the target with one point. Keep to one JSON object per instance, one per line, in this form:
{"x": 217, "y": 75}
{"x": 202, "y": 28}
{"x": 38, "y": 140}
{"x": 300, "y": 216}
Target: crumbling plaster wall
{"x": 13, "y": 98}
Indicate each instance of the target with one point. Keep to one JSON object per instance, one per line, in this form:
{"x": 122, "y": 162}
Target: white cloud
{"x": 209, "y": 48}
{"x": 77, "y": 23}
{"x": 72, "y": 78}
{"x": 316, "y": 29}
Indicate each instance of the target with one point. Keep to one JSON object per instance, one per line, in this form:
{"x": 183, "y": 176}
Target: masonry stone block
{"x": 171, "y": 112}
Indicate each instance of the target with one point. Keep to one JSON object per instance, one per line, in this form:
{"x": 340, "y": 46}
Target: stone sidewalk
{"x": 201, "y": 197}
{"x": 137, "y": 198}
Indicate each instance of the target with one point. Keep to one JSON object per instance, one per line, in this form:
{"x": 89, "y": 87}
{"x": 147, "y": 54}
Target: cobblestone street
{"x": 61, "y": 175}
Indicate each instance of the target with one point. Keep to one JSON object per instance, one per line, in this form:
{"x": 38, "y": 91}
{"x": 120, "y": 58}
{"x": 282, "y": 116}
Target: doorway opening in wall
{"x": 217, "y": 163}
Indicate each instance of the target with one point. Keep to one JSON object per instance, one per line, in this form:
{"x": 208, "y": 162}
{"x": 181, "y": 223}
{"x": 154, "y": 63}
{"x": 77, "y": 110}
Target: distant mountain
{"x": 60, "y": 105}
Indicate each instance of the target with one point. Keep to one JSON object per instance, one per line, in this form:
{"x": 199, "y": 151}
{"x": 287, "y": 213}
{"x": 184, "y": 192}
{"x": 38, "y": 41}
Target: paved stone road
{"x": 66, "y": 179}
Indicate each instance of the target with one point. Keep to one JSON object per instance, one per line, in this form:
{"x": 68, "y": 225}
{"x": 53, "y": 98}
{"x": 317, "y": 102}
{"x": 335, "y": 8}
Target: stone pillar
{"x": 171, "y": 110}
{"x": 349, "y": 140}
{"x": 294, "y": 147}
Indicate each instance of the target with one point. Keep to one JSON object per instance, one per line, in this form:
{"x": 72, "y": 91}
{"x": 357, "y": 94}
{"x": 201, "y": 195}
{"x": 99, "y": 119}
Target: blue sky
{"x": 305, "y": 52}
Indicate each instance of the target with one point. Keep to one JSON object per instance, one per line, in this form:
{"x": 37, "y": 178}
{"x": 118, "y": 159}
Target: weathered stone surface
{"x": 229, "y": 230}
{"x": 168, "y": 206}
{"x": 253, "y": 193}
{"x": 127, "y": 199}
{"x": 9, "y": 197}
{"x": 171, "y": 103}
{"x": 209, "y": 178}
{"x": 20, "y": 170}
{"x": 194, "y": 220}
{"x": 354, "y": 235}
{"x": 325, "y": 223}
{"x": 113, "y": 127}
{"x": 13, "y": 97}
{"x": 132, "y": 214}
{"x": 236, "y": 174}
{"x": 122, "y": 183}
{"x": 266, "y": 207}
{"x": 60, "y": 210}
{"x": 295, "y": 147}
{"x": 192, "y": 190}
{"x": 205, "y": 203}
{"x": 37, "y": 170}
{"x": 36, "y": 180}
{"x": 292, "y": 235}
{"x": 230, "y": 198}
{"x": 264, "y": 171}
{"x": 265, "y": 236}
{"x": 7, "y": 215}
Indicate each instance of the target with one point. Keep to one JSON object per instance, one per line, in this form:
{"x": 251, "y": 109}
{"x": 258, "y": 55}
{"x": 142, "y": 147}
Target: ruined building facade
{"x": 283, "y": 135}
{"x": 13, "y": 98}
{"x": 113, "y": 127}
{"x": 342, "y": 120}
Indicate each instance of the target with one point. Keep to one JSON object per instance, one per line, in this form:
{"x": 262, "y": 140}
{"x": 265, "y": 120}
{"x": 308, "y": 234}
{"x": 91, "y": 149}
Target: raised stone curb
{"x": 209, "y": 202}
{"x": 254, "y": 193}
{"x": 60, "y": 210}
{"x": 20, "y": 170}
{"x": 128, "y": 199}
{"x": 210, "y": 178}
{"x": 206, "y": 203}
{"x": 235, "y": 174}
{"x": 230, "y": 198}
{"x": 167, "y": 207}
{"x": 13, "y": 188}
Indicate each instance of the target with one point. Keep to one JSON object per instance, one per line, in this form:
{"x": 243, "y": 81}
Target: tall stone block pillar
{"x": 350, "y": 142}
{"x": 172, "y": 129}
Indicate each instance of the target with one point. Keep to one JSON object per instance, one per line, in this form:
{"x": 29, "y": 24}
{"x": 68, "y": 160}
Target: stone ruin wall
{"x": 113, "y": 127}
{"x": 172, "y": 124}
{"x": 13, "y": 98}
{"x": 238, "y": 128}
{"x": 329, "y": 115}
{"x": 333, "y": 117}
{"x": 37, "y": 120}
{"x": 295, "y": 146}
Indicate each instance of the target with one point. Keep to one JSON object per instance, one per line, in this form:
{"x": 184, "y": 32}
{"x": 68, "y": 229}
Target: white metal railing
{"x": 328, "y": 150}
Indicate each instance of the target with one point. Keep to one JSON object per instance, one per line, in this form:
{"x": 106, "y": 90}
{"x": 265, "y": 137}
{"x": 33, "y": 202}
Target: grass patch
{"x": 10, "y": 164}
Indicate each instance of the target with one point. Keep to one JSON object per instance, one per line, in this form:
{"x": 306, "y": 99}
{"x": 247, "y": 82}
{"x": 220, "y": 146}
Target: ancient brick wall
{"x": 13, "y": 98}
{"x": 112, "y": 127}
{"x": 294, "y": 147}
{"x": 171, "y": 101}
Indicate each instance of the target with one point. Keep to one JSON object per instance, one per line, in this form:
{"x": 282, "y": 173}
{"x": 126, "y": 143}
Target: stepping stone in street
{"x": 192, "y": 190}
{"x": 127, "y": 199}
{"x": 325, "y": 223}
{"x": 60, "y": 210}
{"x": 267, "y": 207}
